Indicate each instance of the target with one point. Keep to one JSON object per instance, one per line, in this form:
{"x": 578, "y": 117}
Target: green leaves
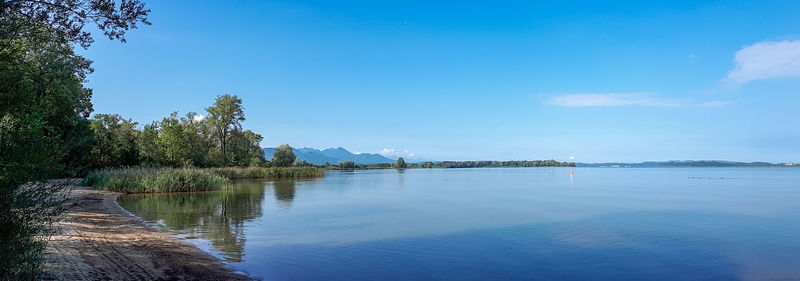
{"x": 116, "y": 141}
{"x": 401, "y": 163}
{"x": 43, "y": 110}
{"x": 225, "y": 116}
{"x": 283, "y": 157}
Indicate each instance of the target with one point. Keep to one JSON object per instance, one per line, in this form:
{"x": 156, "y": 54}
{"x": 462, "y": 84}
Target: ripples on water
{"x": 499, "y": 224}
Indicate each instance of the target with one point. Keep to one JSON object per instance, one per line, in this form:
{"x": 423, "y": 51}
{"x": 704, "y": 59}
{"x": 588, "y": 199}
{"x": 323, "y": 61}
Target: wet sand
{"x": 97, "y": 240}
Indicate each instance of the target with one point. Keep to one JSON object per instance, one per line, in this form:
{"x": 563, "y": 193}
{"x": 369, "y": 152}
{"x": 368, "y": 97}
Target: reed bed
{"x": 149, "y": 180}
{"x": 269, "y": 173}
{"x": 138, "y": 180}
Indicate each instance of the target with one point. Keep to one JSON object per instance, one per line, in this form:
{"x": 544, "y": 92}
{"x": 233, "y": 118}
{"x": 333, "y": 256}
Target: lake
{"x": 498, "y": 224}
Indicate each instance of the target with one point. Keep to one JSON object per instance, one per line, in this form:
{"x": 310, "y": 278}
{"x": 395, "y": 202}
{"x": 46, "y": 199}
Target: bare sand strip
{"x": 97, "y": 240}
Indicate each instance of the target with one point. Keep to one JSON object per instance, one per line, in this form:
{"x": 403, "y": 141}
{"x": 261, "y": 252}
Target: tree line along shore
{"x": 402, "y": 164}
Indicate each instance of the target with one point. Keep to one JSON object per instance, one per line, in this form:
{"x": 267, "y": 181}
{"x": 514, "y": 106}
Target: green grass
{"x": 270, "y": 173}
{"x": 137, "y": 179}
{"x": 144, "y": 180}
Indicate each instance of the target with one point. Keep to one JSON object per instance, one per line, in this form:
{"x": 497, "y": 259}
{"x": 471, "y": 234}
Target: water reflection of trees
{"x": 284, "y": 192}
{"x": 218, "y": 217}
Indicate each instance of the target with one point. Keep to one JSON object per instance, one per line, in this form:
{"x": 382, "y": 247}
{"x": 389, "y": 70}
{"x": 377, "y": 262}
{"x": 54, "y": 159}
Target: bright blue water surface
{"x": 499, "y": 224}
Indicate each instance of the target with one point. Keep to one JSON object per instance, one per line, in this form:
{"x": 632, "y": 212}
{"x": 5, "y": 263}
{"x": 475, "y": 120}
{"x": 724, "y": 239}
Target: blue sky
{"x": 476, "y": 80}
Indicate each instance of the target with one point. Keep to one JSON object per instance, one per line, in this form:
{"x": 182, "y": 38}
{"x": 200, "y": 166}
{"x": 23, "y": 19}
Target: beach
{"x": 98, "y": 240}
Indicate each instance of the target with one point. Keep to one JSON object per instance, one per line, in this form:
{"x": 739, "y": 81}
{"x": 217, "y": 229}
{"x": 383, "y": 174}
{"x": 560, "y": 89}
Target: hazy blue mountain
{"x": 332, "y": 155}
{"x": 338, "y": 153}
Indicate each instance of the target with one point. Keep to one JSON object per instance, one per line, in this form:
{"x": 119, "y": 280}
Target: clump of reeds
{"x": 138, "y": 179}
{"x": 269, "y": 173}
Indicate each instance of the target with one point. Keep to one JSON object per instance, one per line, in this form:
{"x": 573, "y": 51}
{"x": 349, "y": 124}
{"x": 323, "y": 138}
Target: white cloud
{"x": 391, "y": 152}
{"x": 766, "y": 60}
{"x": 198, "y": 118}
{"x": 625, "y": 99}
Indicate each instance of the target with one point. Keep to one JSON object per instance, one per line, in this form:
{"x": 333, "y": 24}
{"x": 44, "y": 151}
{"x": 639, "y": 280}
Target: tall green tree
{"x": 174, "y": 141}
{"x": 44, "y": 107}
{"x": 225, "y": 116}
{"x": 246, "y": 149}
{"x": 116, "y": 141}
{"x": 401, "y": 163}
{"x": 198, "y": 138}
{"x": 43, "y": 131}
{"x": 150, "y": 152}
{"x": 283, "y": 157}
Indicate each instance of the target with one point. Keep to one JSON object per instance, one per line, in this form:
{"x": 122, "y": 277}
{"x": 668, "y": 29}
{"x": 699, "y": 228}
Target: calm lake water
{"x": 499, "y": 224}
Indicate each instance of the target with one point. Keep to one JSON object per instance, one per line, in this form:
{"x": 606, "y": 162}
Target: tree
{"x": 174, "y": 141}
{"x": 283, "y": 157}
{"x": 44, "y": 107}
{"x": 401, "y": 163}
{"x": 347, "y": 165}
{"x": 66, "y": 19}
{"x": 117, "y": 140}
{"x": 245, "y": 149}
{"x": 225, "y": 116}
{"x": 43, "y": 134}
{"x": 196, "y": 131}
{"x": 150, "y": 152}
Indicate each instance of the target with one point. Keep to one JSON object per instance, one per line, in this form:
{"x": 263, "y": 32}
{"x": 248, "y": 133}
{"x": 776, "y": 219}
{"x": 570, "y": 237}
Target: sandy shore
{"x": 97, "y": 240}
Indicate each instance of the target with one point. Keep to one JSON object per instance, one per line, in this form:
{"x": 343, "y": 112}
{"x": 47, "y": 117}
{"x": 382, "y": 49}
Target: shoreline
{"x": 98, "y": 240}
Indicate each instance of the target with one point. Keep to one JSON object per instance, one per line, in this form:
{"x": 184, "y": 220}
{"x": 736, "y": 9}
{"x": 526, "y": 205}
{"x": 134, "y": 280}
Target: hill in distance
{"x": 332, "y": 155}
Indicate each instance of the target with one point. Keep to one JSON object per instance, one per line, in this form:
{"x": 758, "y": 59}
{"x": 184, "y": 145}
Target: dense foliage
{"x": 283, "y": 157}
{"x": 224, "y": 118}
{"x": 44, "y": 131}
{"x": 66, "y": 19}
{"x": 175, "y": 141}
{"x": 115, "y": 141}
{"x": 141, "y": 180}
{"x": 347, "y": 165}
{"x": 401, "y": 163}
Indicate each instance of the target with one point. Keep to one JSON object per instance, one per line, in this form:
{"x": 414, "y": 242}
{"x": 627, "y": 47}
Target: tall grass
{"x": 270, "y": 173}
{"x": 137, "y": 179}
{"x": 143, "y": 180}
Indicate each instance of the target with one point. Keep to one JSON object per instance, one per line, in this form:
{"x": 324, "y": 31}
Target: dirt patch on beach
{"x": 97, "y": 240}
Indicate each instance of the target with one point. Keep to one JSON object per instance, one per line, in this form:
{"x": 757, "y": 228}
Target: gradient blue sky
{"x": 464, "y": 80}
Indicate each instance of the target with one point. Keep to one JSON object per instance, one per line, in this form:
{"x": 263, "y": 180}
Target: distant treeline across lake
{"x": 452, "y": 164}
{"x": 687, "y": 163}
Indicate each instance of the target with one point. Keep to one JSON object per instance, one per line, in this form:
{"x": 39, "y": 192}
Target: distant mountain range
{"x": 336, "y": 155}
{"x": 332, "y": 155}
{"x": 685, "y": 163}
